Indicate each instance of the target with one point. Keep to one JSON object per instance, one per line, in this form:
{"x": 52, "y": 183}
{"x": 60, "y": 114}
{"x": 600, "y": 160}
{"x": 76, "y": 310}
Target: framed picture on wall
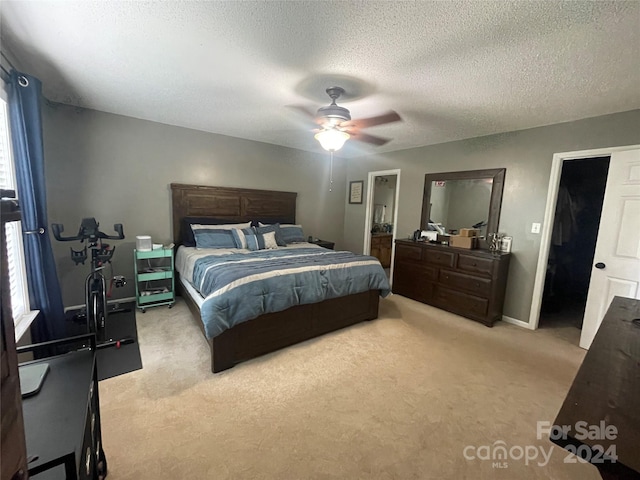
{"x": 355, "y": 191}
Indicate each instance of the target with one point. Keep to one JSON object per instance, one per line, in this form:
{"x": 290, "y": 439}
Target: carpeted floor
{"x": 402, "y": 397}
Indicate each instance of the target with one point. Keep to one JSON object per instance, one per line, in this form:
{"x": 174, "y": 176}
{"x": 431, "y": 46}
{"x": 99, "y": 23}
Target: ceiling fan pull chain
{"x": 331, "y": 171}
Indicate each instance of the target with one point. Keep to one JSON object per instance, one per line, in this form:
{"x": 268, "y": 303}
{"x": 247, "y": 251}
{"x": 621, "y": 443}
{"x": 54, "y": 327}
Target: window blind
{"x": 15, "y": 250}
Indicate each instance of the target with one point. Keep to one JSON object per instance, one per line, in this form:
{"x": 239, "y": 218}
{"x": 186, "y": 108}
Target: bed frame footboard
{"x": 273, "y": 331}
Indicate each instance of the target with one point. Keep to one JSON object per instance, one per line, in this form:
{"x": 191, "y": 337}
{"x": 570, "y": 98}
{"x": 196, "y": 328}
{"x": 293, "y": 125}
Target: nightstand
{"x": 323, "y": 243}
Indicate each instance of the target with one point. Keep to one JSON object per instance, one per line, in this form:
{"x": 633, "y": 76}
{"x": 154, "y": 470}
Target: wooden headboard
{"x": 232, "y": 204}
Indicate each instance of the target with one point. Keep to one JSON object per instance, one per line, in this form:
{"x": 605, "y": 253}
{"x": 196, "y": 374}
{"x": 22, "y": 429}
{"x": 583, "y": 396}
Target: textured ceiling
{"x": 452, "y": 70}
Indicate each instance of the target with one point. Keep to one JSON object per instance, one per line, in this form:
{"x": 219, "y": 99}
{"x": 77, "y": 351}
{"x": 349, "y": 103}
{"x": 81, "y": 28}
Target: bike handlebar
{"x": 88, "y": 231}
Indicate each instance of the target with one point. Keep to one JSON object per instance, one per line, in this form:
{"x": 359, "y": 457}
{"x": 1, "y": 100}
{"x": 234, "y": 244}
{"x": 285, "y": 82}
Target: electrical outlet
{"x": 535, "y": 228}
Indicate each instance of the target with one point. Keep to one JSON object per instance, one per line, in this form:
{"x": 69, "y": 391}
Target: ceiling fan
{"x": 337, "y": 126}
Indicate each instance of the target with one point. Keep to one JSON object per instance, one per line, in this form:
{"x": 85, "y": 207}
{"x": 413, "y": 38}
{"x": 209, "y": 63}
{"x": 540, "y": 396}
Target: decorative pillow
{"x": 240, "y": 236}
{"x": 290, "y": 233}
{"x": 214, "y": 238}
{"x": 275, "y": 228}
{"x": 188, "y": 240}
{"x": 269, "y": 239}
{"x": 250, "y": 239}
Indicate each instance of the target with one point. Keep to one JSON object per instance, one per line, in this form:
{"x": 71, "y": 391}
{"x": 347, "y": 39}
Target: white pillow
{"x": 270, "y": 240}
{"x": 224, "y": 226}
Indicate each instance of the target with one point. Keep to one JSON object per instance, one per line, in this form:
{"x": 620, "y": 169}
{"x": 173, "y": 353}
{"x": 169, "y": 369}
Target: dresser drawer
{"x": 477, "y": 285}
{"x": 414, "y": 272}
{"x": 408, "y": 252}
{"x": 414, "y": 280}
{"x": 462, "y": 303}
{"x": 439, "y": 257}
{"x": 474, "y": 264}
{"x": 422, "y": 292}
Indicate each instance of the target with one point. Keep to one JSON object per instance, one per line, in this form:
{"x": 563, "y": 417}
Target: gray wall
{"x": 527, "y": 155}
{"x": 118, "y": 170}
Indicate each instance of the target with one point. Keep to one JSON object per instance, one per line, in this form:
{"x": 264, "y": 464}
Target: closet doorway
{"x": 616, "y": 271}
{"x": 380, "y": 217}
{"x": 573, "y": 242}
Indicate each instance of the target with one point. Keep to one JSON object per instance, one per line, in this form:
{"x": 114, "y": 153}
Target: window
{"x": 21, "y": 311}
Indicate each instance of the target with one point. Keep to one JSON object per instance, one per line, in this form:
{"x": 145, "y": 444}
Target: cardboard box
{"x": 459, "y": 241}
{"x": 469, "y": 232}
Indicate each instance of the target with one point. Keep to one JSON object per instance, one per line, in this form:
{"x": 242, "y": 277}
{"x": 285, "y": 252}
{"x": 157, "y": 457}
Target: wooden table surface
{"x": 601, "y": 412}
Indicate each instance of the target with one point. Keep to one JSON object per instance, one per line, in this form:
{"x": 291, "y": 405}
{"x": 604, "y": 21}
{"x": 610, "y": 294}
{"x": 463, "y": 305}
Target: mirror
{"x": 468, "y": 199}
{"x": 384, "y": 195}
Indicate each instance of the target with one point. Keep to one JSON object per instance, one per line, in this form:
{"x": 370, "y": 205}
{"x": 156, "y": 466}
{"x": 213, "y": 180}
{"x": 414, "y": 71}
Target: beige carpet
{"x": 397, "y": 398}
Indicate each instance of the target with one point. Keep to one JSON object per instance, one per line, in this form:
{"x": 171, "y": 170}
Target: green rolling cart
{"x": 154, "y": 278}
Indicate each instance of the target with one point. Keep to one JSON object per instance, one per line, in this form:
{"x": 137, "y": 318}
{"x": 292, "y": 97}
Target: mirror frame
{"x": 495, "y": 204}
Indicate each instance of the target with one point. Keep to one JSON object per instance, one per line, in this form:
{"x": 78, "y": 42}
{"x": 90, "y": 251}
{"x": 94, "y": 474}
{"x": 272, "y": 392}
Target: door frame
{"x": 366, "y": 248}
{"x": 549, "y": 215}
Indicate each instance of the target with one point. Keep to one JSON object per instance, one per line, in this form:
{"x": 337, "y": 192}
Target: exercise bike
{"x": 95, "y": 283}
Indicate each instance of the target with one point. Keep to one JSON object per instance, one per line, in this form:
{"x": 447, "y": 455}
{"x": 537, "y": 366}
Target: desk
{"x": 62, "y": 421}
{"x": 607, "y": 389}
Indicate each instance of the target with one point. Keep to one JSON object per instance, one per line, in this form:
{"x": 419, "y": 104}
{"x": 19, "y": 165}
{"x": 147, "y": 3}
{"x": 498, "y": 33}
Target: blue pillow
{"x": 214, "y": 238}
{"x": 273, "y": 228}
{"x": 289, "y": 232}
{"x": 292, "y": 234}
{"x": 186, "y": 233}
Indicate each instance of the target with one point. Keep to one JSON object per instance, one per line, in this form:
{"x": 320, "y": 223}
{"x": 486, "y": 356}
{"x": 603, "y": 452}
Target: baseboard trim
{"x": 519, "y": 323}
{"x": 109, "y": 302}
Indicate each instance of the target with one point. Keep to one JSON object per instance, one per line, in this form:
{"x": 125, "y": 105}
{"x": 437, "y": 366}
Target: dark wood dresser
{"x": 470, "y": 283}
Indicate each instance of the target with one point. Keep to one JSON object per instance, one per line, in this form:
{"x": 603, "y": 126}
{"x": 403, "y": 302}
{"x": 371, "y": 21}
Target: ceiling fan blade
{"x": 366, "y": 138}
{"x": 388, "y": 117}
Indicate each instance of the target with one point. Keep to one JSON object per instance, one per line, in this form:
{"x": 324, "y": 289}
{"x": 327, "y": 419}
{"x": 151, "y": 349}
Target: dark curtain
{"x": 25, "y": 94}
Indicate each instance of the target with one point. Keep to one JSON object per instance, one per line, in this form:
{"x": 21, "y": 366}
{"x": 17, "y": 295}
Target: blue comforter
{"x": 240, "y": 287}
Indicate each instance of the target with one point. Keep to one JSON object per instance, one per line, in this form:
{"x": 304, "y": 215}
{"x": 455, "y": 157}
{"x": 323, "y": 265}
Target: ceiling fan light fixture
{"x": 332, "y": 140}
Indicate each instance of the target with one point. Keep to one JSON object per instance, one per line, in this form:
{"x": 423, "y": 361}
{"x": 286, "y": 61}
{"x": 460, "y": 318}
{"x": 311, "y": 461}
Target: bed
{"x": 273, "y": 330}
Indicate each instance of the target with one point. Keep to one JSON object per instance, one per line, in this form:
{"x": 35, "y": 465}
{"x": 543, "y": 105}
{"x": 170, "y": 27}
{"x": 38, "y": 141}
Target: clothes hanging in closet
{"x": 564, "y": 223}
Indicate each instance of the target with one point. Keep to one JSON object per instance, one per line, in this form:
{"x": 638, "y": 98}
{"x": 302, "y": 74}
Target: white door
{"x": 616, "y": 263}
